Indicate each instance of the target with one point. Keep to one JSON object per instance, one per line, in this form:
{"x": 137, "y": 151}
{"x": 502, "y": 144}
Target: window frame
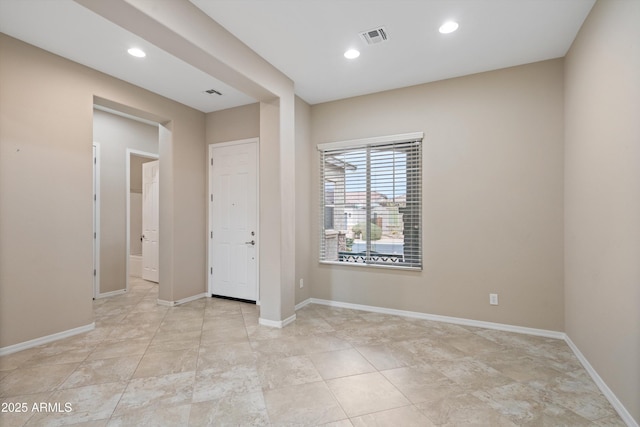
{"x": 367, "y": 144}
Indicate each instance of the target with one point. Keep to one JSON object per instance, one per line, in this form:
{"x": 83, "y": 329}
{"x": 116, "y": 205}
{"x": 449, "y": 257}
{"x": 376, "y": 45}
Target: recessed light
{"x": 351, "y": 54}
{"x": 138, "y": 53}
{"x": 448, "y": 27}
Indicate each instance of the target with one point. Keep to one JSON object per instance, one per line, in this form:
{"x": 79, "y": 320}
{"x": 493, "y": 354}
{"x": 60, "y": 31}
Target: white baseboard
{"x": 303, "y": 304}
{"x": 189, "y": 299}
{"x": 111, "y": 294}
{"x": 611, "y": 397}
{"x": 446, "y": 319}
{"x": 182, "y": 301}
{"x": 46, "y": 339}
{"x": 277, "y": 323}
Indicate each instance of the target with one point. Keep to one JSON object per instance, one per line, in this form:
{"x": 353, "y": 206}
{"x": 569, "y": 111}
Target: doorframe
{"x": 209, "y": 160}
{"x": 96, "y": 220}
{"x": 129, "y": 152}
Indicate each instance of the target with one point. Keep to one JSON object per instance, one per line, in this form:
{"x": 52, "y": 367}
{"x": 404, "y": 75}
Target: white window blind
{"x": 371, "y": 201}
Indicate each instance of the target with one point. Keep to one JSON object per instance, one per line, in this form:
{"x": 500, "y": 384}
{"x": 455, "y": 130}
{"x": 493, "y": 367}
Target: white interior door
{"x": 233, "y": 219}
{"x": 96, "y": 219}
{"x": 150, "y": 220}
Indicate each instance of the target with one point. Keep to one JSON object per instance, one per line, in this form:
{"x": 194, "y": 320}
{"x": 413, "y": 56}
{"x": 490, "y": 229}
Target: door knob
{"x": 252, "y": 243}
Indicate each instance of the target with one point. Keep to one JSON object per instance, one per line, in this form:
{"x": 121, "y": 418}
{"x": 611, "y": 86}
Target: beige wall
{"x": 115, "y": 135}
{"x": 46, "y": 131}
{"x": 304, "y": 202}
{"x": 233, "y": 124}
{"x": 492, "y": 189}
{"x": 135, "y": 174}
{"x": 602, "y": 196}
{"x": 186, "y": 32}
{"x": 135, "y": 225}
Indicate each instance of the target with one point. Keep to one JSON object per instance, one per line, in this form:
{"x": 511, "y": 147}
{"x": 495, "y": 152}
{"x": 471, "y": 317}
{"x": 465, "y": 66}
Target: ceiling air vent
{"x": 374, "y": 36}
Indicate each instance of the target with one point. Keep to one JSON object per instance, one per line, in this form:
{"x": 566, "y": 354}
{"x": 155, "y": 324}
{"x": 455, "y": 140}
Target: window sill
{"x": 361, "y": 264}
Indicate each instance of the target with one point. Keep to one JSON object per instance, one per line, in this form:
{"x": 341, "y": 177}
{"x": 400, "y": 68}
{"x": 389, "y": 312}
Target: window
{"x": 371, "y": 201}
{"x": 329, "y": 200}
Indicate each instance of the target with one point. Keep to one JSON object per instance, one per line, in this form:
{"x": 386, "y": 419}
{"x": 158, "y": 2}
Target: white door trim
{"x": 96, "y": 220}
{"x": 255, "y": 141}
{"x": 129, "y": 153}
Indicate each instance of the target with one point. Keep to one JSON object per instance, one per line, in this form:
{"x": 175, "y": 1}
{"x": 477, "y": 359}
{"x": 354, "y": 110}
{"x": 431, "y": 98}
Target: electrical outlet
{"x": 493, "y": 299}
{"x": 301, "y": 283}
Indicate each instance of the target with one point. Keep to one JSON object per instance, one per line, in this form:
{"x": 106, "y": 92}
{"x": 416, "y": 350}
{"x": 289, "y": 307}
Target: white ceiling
{"x": 306, "y": 39}
{"x": 74, "y": 32}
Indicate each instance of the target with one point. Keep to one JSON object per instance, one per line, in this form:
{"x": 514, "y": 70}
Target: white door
{"x": 96, "y": 219}
{"x": 150, "y": 220}
{"x": 233, "y": 219}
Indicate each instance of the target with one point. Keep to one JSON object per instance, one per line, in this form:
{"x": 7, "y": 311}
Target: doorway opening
{"x": 142, "y": 210}
{"x": 120, "y": 136}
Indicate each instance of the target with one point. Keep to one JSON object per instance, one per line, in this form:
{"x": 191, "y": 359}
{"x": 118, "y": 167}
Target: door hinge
{"x": 212, "y": 234}
{"x": 95, "y": 235}
{"x": 95, "y": 161}
{"x": 212, "y": 161}
{"x": 95, "y": 197}
{"x": 212, "y": 197}
{"x": 211, "y": 270}
{"x": 94, "y": 272}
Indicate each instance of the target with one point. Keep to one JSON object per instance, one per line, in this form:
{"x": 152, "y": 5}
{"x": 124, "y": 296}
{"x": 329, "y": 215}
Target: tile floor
{"x": 208, "y": 362}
